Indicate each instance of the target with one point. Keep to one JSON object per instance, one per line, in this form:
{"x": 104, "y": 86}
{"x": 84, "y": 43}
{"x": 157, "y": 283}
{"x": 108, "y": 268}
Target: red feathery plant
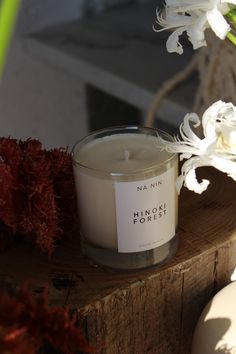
{"x": 27, "y": 323}
{"x": 37, "y": 195}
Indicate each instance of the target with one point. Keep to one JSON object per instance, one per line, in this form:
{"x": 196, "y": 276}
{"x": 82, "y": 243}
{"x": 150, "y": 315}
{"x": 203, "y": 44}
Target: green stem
{"x": 8, "y": 14}
{"x": 231, "y": 37}
{"x": 231, "y": 15}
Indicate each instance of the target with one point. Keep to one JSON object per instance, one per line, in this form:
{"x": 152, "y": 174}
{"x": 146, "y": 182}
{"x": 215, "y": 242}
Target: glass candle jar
{"x": 127, "y": 201}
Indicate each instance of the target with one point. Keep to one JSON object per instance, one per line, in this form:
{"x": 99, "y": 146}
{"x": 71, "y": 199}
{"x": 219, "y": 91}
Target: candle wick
{"x": 126, "y": 155}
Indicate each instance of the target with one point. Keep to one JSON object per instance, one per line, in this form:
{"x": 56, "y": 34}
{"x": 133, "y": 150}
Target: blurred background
{"x": 79, "y": 65}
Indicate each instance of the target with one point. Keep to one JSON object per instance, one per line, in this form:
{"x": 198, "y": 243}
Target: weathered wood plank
{"x": 150, "y": 311}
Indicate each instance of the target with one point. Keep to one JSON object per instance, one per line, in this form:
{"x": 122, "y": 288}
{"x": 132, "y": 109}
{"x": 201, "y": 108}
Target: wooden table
{"x": 146, "y": 312}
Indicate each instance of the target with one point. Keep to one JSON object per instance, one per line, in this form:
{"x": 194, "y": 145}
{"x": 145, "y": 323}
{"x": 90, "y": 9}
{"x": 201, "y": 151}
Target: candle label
{"x": 145, "y": 212}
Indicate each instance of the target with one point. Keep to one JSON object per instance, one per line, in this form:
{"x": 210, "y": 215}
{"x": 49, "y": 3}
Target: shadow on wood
{"x": 153, "y": 311}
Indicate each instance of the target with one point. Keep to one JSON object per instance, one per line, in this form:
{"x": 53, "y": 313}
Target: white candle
{"x": 126, "y": 190}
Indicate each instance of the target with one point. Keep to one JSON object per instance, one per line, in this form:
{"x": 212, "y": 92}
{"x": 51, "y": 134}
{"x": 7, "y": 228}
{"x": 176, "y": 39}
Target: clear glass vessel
{"x": 127, "y": 201}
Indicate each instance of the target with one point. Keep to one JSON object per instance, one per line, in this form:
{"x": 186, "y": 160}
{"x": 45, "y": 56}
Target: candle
{"x": 126, "y": 197}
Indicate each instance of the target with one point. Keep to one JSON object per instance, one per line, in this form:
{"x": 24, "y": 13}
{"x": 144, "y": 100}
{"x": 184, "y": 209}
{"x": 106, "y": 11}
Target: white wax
{"x": 109, "y": 154}
{"x": 137, "y": 156}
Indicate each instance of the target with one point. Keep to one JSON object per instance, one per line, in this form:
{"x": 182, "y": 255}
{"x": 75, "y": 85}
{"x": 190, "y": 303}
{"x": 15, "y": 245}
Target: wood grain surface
{"x": 153, "y": 311}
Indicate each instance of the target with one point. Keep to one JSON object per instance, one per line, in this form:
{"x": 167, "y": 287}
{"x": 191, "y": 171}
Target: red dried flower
{"x": 10, "y": 153}
{"x": 7, "y": 210}
{"x": 64, "y": 184}
{"x": 27, "y": 322}
{"x": 37, "y": 190}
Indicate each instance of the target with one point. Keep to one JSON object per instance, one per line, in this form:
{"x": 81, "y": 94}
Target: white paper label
{"x": 145, "y": 212}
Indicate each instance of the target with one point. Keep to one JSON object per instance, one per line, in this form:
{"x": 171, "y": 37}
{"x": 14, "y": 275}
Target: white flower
{"x": 217, "y": 148}
{"x": 194, "y": 17}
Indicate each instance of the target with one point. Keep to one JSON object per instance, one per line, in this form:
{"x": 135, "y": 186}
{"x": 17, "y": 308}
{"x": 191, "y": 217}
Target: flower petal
{"x": 216, "y": 149}
{"x": 192, "y": 183}
{"x": 195, "y": 17}
{"x": 196, "y": 32}
{"x": 173, "y": 45}
{"x": 217, "y": 22}
{"x": 229, "y": 1}
{"x": 186, "y": 130}
{"x": 218, "y": 116}
{"x": 189, "y": 175}
{"x": 209, "y": 119}
{"x": 224, "y": 165}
